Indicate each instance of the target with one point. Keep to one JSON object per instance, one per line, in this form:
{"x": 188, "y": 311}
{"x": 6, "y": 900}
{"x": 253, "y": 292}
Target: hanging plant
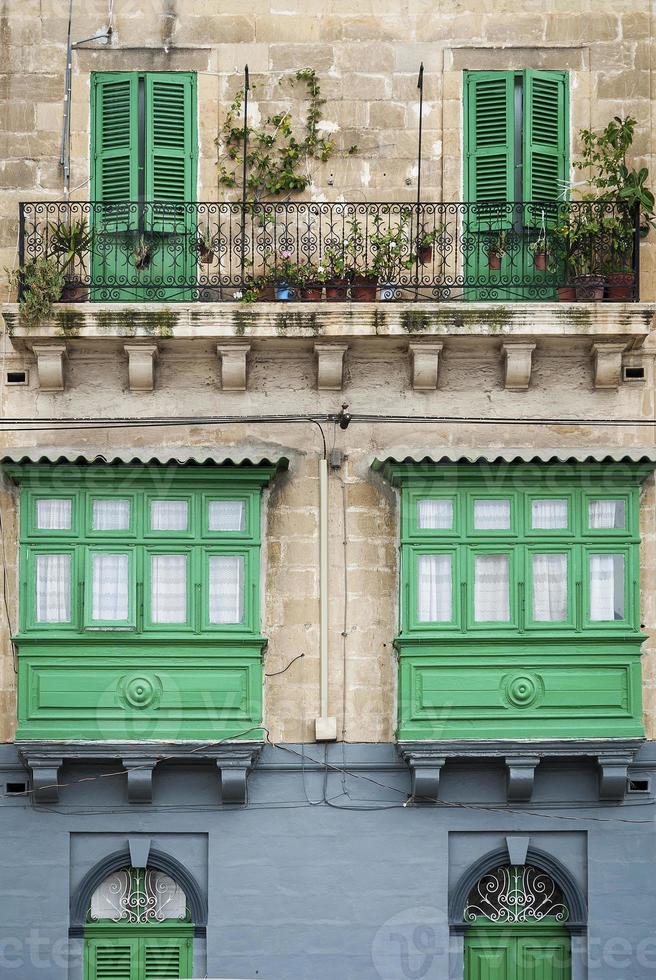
{"x": 278, "y": 156}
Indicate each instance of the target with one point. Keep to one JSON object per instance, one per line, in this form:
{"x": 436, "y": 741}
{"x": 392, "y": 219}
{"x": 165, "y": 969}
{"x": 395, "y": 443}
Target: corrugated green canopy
{"x": 448, "y": 454}
{"x": 248, "y": 455}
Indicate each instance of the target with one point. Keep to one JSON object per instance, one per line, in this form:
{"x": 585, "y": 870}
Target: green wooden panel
{"x": 486, "y": 961}
{"x": 165, "y": 959}
{"x": 489, "y": 136}
{"x": 114, "y": 138}
{"x": 543, "y": 958}
{"x": 517, "y": 953}
{"x": 545, "y": 136}
{"x": 125, "y": 694}
{"x": 115, "y": 957}
{"x": 123, "y": 952}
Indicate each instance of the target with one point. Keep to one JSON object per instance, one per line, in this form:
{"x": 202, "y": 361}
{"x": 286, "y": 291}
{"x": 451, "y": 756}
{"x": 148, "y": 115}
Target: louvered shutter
{"x": 545, "y": 135}
{"x": 170, "y": 146}
{"x": 114, "y": 141}
{"x": 489, "y": 135}
{"x": 165, "y": 959}
{"x": 116, "y": 959}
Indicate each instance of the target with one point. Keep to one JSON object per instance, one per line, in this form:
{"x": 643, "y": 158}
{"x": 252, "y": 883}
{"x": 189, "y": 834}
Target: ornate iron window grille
{"x": 136, "y": 896}
{"x": 513, "y": 894}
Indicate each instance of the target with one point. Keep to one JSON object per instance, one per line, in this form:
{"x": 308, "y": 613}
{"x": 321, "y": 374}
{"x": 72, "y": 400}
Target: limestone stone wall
{"x": 363, "y": 508}
{"x": 367, "y": 53}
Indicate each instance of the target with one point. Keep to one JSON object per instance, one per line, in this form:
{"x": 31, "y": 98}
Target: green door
{"x": 515, "y": 150}
{"x": 121, "y": 954}
{"x": 539, "y": 952}
{"x": 143, "y": 178}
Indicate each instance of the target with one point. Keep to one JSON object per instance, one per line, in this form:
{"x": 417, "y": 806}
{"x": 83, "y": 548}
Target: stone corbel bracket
{"x": 425, "y": 365}
{"x": 45, "y": 777}
{"x": 50, "y": 365}
{"x": 613, "y": 774}
{"x": 141, "y": 366}
{"x": 518, "y": 365}
{"x": 521, "y": 774}
{"x": 233, "y": 366}
{"x": 330, "y": 366}
{"x": 426, "y": 769}
{"x": 607, "y": 364}
{"x": 234, "y": 765}
{"x": 140, "y": 779}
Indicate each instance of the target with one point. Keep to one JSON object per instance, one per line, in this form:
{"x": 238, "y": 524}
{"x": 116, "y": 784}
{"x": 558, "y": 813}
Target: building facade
{"x": 327, "y": 510}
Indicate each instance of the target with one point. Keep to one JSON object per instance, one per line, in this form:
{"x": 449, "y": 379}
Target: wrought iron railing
{"x": 490, "y": 251}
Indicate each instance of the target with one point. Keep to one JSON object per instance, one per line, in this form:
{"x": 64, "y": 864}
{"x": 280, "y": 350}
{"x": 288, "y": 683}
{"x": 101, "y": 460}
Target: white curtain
{"x": 226, "y": 588}
{"x": 435, "y": 515}
{"x": 53, "y": 588}
{"x": 110, "y": 587}
{"x": 491, "y": 589}
{"x": 606, "y": 587}
{"x": 550, "y": 588}
{"x": 548, "y": 514}
{"x": 435, "y": 588}
{"x": 606, "y": 514}
{"x": 168, "y": 515}
{"x": 492, "y": 515}
{"x": 227, "y": 515}
{"x": 54, "y": 514}
{"x": 168, "y": 588}
{"x": 111, "y": 515}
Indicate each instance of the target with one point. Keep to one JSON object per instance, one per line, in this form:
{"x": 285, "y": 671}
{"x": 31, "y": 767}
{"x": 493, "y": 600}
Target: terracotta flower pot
{"x": 494, "y": 261}
{"x": 336, "y": 290}
{"x": 266, "y": 294}
{"x": 619, "y": 287}
{"x": 206, "y": 255}
{"x": 73, "y": 292}
{"x": 425, "y": 254}
{"x": 566, "y": 294}
{"x": 589, "y": 289}
{"x": 364, "y": 289}
{"x": 312, "y": 293}
{"x": 540, "y": 260}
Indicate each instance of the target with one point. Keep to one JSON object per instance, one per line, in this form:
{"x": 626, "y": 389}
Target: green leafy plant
{"x": 278, "y": 156}
{"x": 41, "y": 283}
{"x": 143, "y": 253}
{"x": 391, "y": 249}
{"x": 69, "y": 242}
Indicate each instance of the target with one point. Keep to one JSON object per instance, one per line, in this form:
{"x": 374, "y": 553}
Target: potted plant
{"x": 285, "y": 274}
{"x": 538, "y": 250}
{"x": 337, "y": 279}
{"x": 496, "y": 247}
{"x": 391, "y": 255}
{"x": 69, "y": 243}
{"x": 618, "y": 239}
{"x": 205, "y": 247}
{"x": 426, "y": 244}
{"x": 310, "y": 279}
{"x": 41, "y": 283}
{"x": 143, "y": 254}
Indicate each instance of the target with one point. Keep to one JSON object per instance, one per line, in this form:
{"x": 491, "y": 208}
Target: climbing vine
{"x": 278, "y": 156}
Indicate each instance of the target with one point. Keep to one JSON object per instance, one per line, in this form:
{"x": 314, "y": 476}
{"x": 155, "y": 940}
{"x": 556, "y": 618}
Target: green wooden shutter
{"x": 545, "y": 135}
{"x": 112, "y": 959}
{"x": 489, "y": 136}
{"x": 114, "y": 147}
{"x": 165, "y": 959}
{"x": 170, "y": 172}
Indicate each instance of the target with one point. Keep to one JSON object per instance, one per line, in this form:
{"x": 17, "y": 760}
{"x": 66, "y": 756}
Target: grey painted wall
{"x": 325, "y": 876}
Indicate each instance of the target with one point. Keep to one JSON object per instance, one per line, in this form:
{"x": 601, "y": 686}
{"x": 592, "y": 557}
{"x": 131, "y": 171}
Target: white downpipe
{"x": 325, "y": 727}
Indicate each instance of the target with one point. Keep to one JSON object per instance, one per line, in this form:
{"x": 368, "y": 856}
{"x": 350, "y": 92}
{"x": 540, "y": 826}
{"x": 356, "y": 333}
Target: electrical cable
{"x": 276, "y": 673}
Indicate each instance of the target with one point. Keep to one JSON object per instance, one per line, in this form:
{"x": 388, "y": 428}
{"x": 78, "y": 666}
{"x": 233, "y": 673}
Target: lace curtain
{"x": 435, "y": 515}
{"x": 54, "y": 514}
{"x": 606, "y": 587}
{"x": 168, "y": 588}
{"x": 168, "y": 515}
{"x": 226, "y": 589}
{"x": 111, "y": 515}
{"x": 226, "y": 515}
{"x": 492, "y": 515}
{"x": 549, "y": 588}
{"x": 606, "y": 514}
{"x": 548, "y": 514}
{"x": 53, "y": 588}
{"x": 110, "y": 587}
{"x": 491, "y": 589}
{"x": 434, "y": 599}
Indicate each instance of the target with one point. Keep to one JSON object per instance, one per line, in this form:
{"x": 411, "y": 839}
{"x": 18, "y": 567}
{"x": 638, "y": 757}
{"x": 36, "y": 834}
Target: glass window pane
{"x": 492, "y": 515}
{"x": 168, "y": 515}
{"x": 435, "y": 515}
{"x": 606, "y": 587}
{"x": 434, "y": 601}
{"x": 54, "y": 515}
{"x": 548, "y": 514}
{"x": 492, "y": 589}
{"x": 226, "y": 599}
{"x": 53, "y": 588}
{"x": 227, "y": 515}
{"x": 168, "y": 588}
{"x": 110, "y": 575}
{"x": 110, "y": 515}
{"x": 549, "y": 588}
{"x": 605, "y": 515}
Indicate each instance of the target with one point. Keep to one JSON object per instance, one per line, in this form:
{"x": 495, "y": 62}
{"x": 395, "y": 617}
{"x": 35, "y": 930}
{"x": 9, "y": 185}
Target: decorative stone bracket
{"x": 233, "y": 366}
{"x": 607, "y": 364}
{"x": 50, "y": 365}
{"x": 234, "y": 760}
{"x": 141, "y": 366}
{"x": 425, "y": 365}
{"x": 426, "y": 761}
{"x": 330, "y": 366}
{"x": 519, "y": 362}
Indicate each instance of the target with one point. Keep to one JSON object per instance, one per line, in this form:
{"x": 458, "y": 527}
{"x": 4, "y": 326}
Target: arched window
{"x": 515, "y": 894}
{"x": 138, "y": 926}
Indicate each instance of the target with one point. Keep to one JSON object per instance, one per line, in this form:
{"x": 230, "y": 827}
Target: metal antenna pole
{"x": 420, "y": 86}
{"x": 244, "y": 176}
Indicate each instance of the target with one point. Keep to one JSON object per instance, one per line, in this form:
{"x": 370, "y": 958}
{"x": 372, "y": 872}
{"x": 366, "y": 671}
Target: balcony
{"x": 309, "y": 252}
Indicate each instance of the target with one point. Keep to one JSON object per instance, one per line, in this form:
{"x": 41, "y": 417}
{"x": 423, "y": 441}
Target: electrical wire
{"x": 277, "y": 673}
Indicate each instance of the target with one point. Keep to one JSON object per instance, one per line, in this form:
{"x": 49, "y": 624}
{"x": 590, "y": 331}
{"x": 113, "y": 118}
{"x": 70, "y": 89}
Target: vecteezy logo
{"x": 412, "y": 945}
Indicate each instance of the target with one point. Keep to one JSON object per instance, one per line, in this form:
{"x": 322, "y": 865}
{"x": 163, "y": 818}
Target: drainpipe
{"x": 325, "y": 726}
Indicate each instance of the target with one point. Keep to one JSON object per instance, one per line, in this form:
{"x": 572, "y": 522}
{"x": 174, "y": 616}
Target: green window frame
{"x": 93, "y": 559}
